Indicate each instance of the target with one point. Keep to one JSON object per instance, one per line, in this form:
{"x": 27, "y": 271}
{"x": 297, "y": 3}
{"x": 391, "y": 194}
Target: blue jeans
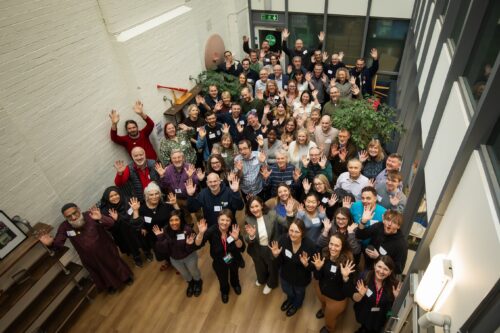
{"x": 295, "y": 294}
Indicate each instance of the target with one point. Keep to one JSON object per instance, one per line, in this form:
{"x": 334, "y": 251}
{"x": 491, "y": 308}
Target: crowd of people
{"x": 317, "y": 210}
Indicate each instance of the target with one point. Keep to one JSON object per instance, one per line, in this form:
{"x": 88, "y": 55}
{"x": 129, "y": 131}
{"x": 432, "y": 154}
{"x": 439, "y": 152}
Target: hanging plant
{"x": 223, "y": 81}
{"x": 367, "y": 120}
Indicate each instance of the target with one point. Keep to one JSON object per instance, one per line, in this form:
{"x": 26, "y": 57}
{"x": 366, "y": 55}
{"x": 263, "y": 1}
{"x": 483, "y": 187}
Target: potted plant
{"x": 223, "y": 81}
{"x": 367, "y": 120}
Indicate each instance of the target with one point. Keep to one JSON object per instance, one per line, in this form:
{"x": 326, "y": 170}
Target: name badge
{"x": 288, "y": 253}
{"x": 382, "y": 251}
{"x": 374, "y": 221}
{"x": 379, "y": 198}
{"x": 375, "y": 309}
{"x": 328, "y": 141}
{"x": 130, "y": 211}
{"x": 217, "y": 208}
{"x": 288, "y": 182}
{"x": 315, "y": 220}
{"x": 71, "y": 233}
{"x": 242, "y": 122}
{"x": 218, "y": 132}
{"x": 178, "y": 190}
{"x": 181, "y": 236}
{"x": 223, "y": 154}
{"x": 324, "y": 200}
{"x": 147, "y": 219}
{"x": 333, "y": 269}
{"x": 305, "y": 52}
{"x": 211, "y": 135}
{"x": 369, "y": 292}
{"x": 255, "y": 162}
{"x": 183, "y": 142}
{"x": 330, "y": 71}
{"x": 230, "y": 239}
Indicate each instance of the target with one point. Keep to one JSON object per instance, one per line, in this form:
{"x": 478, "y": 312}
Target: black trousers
{"x": 265, "y": 267}
{"x": 226, "y": 273}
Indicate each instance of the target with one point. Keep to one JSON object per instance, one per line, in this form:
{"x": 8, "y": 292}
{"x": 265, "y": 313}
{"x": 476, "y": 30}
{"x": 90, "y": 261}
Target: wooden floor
{"x": 157, "y": 302}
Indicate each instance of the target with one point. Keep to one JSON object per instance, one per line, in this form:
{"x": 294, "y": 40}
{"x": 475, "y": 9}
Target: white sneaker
{"x": 266, "y": 290}
{"x": 257, "y": 283}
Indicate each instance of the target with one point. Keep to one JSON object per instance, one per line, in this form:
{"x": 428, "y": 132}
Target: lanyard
{"x": 224, "y": 244}
{"x": 378, "y": 294}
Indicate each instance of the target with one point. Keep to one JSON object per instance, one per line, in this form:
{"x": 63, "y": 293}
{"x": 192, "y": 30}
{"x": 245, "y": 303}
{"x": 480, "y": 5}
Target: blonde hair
{"x": 301, "y": 130}
{"x": 376, "y": 143}
{"x": 343, "y": 69}
{"x": 325, "y": 182}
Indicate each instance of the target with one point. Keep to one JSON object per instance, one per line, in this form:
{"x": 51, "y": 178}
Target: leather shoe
{"x": 291, "y": 311}
{"x": 286, "y": 305}
{"x": 190, "y": 288}
{"x": 324, "y": 330}
{"x": 225, "y": 298}
{"x": 320, "y": 314}
{"x": 198, "y": 287}
{"x": 237, "y": 290}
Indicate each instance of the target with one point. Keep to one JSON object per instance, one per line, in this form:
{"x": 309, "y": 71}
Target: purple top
{"x": 175, "y": 181}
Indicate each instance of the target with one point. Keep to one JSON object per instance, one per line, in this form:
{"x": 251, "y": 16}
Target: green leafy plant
{"x": 366, "y": 122}
{"x": 223, "y": 81}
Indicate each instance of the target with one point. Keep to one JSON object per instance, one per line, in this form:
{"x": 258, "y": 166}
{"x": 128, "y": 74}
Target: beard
{"x": 77, "y": 224}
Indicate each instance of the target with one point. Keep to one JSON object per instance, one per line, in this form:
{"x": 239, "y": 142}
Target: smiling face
{"x": 226, "y": 142}
{"x": 224, "y": 222}
{"x": 360, "y": 64}
{"x": 170, "y": 131}
{"x": 280, "y": 109}
{"x": 391, "y": 184}
{"x": 132, "y": 130}
{"x": 315, "y": 115}
{"x": 177, "y": 159}
{"x": 211, "y": 120}
{"x": 281, "y": 160}
{"x": 315, "y": 155}
{"x": 311, "y": 204}
{"x": 301, "y": 138}
{"x": 334, "y": 246}
{"x": 114, "y": 197}
{"x": 381, "y": 270}
{"x": 368, "y": 199}
{"x": 290, "y": 126}
{"x": 213, "y": 91}
{"x": 213, "y": 182}
{"x": 139, "y": 156}
{"x": 325, "y": 123}
{"x": 244, "y": 150}
{"x": 334, "y": 94}
{"x": 305, "y": 98}
{"x": 174, "y": 222}
{"x": 319, "y": 186}
{"x": 344, "y": 137}
{"x": 341, "y": 221}
{"x": 271, "y": 136}
{"x": 283, "y": 193}
{"x": 373, "y": 151}
{"x": 256, "y": 208}
{"x": 299, "y": 44}
{"x": 153, "y": 197}
{"x": 215, "y": 164}
{"x": 294, "y": 233}
{"x": 393, "y": 163}
{"x": 354, "y": 168}
{"x": 194, "y": 112}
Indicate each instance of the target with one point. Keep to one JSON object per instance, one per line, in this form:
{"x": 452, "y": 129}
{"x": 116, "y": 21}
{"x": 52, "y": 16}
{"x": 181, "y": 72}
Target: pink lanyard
{"x": 378, "y": 294}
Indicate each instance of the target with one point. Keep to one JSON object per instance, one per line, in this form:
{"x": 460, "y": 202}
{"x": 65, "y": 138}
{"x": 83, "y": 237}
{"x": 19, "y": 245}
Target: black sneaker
{"x": 237, "y": 290}
{"x": 286, "y": 305}
{"x": 291, "y": 311}
{"x": 149, "y": 256}
{"x": 320, "y": 314}
{"x": 138, "y": 261}
{"x": 190, "y": 288}
{"x": 225, "y": 298}
{"x": 198, "y": 287}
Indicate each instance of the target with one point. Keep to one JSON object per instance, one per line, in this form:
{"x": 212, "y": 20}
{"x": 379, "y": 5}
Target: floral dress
{"x": 182, "y": 142}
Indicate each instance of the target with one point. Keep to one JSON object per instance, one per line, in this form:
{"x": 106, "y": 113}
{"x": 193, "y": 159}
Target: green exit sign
{"x": 269, "y": 17}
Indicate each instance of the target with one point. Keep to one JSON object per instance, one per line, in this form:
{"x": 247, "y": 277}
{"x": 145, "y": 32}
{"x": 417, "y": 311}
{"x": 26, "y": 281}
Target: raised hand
{"x": 341, "y": 55}
{"x": 327, "y": 225}
{"x": 95, "y": 213}
{"x": 199, "y": 99}
{"x": 202, "y": 226}
{"x": 351, "y": 228}
{"x": 367, "y": 214}
{"x": 225, "y": 128}
{"x": 396, "y": 289}
{"x": 296, "y": 174}
{"x": 372, "y": 253}
{"x": 160, "y": 169}
{"x": 263, "y": 129}
{"x": 190, "y": 239}
{"x": 114, "y": 116}
{"x": 183, "y": 127}
{"x": 262, "y": 157}
{"x": 304, "y": 258}
{"x": 200, "y": 174}
{"x": 120, "y": 167}
{"x": 289, "y": 69}
{"x": 134, "y": 203}
{"x": 46, "y": 239}
{"x": 285, "y": 34}
{"x": 355, "y": 90}
{"x": 265, "y": 172}
{"x": 361, "y": 288}
{"x": 308, "y": 76}
{"x": 234, "y": 184}
{"x": 235, "y": 231}
{"x": 259, "y": 94}
{"x": 321, "y": 209}
{"x": 317, "y": 261}
{"x": 190, "y": 170}
{"x": 260, "y": 140}
{"x": 333, "y": 200}
{"x": 343, "y": 154}
{"x": 202, "y": 132}
{"x": 324, "y": 78}
{"x": 371, "y": 182}
{"x": 113, "y": 214}
{"x": 395, "y": 199}
{"x": 321, "y": 36}
{"x": 172, "y": 199}
{"x": 347, "y": 202}
{"x": 190, "y": 187}
{"x": 374, "y": 54}
{"x": 301, "y": 208}
{"x": 352, "y": 80}
{"x": 275, "y": 249}
{"x": 315, "y": 93}
{"x": 245, "y": 39}
{"x": 334, "y": 150}
{"x": 240, "y": 128}
{"x": 322, "y": 162}
{"x": 139, "y": 108}
{"x": 157, "y": 231}
{"x": 347, "y": 269}
{"x": 289, "y": 207}
{"x": 218, "y": 106}
{"x": 267, "y": 109}
{"x": 250, "y": 230}
{"x": 306, "y": 185}
{"x": 324, "y": 56}
{"x": 305, "y": 160}
{"x": 363, "y": 156}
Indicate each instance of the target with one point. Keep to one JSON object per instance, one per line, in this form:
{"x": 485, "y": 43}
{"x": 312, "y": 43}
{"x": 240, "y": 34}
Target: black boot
{"x": 190, "y": 288}
{"x": 198, "y": 287}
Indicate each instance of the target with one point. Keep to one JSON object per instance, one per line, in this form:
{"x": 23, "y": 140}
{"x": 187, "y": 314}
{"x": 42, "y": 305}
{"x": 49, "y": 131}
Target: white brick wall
{"x": 62, "y": 71}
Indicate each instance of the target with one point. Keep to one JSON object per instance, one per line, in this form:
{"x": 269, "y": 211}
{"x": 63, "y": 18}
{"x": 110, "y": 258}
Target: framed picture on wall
{"x": 10, "y": 235}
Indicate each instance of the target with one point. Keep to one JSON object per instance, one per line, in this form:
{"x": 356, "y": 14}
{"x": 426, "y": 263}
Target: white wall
{"x": 449, "y": 136}
{"x": 392, "y": 8}
{"x": 348, "y": 7}
{"x": 428, "y": 59}
{"x": 309, "y": 6}
{"x": 271, "y": 5}
{"x": 469, "y": 234}
{"x": 62, "y": 72}
{"x": 427, "y": 27}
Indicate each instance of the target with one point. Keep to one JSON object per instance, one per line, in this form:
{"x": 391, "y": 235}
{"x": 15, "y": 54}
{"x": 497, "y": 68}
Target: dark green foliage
{"x": 222, "y": 80}
{"x": 364, "y": 123}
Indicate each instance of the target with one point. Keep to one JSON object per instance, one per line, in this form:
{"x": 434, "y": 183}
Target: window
{"x": 345, "y": 34}
{"x": 459, "y": 21}
{"x": 388, "y": 37}
{"x": 306, "y": 27}
{"x": 485, "y": 51}
{"x": 494, "y": 149}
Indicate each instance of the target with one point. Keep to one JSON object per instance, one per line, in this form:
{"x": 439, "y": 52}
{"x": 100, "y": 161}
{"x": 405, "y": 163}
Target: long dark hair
{"x": 388, "y": 282}
{"x": 345, "y": 252}
{"x": 265, "y": 209}
{"x": 180, "y": 215}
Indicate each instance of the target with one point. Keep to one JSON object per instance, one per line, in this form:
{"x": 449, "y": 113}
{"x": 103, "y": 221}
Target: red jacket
{"x": 141, "y": 141}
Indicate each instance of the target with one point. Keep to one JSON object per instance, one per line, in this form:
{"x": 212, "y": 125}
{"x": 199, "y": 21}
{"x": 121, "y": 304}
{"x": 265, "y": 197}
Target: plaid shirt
{"x": 251, "y": 180}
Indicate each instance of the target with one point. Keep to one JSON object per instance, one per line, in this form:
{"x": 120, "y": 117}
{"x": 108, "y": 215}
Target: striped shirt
{"x": 251, "y": 181}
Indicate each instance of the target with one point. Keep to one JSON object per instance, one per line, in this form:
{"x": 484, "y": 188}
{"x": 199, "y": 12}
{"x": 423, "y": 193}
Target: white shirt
{"x": 261, "y": 227}
{"x": 352, "y": 185}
